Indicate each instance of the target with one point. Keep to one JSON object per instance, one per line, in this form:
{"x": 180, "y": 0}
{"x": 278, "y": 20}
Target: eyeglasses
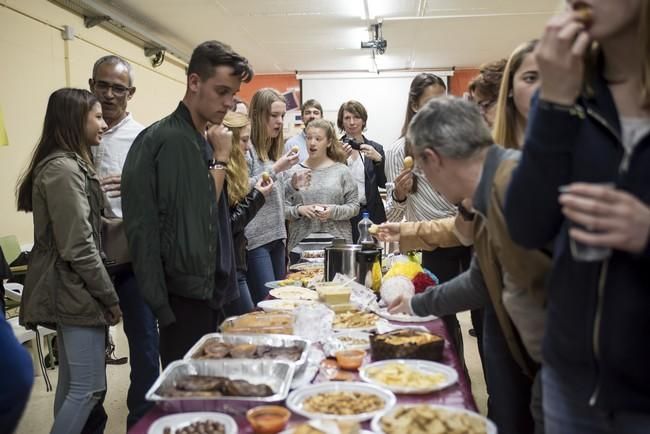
{"x": 485, "y": 105}
{"x": 117, "y": 89}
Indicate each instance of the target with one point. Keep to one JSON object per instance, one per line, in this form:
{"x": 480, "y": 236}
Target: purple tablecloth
{"x": 458, "y": 395}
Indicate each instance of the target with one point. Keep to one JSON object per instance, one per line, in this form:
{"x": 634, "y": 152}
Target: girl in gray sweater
{"x": 332, "y": 198}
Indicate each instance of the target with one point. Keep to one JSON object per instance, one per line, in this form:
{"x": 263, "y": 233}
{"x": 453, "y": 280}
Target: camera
{"x": 354, "y": 145}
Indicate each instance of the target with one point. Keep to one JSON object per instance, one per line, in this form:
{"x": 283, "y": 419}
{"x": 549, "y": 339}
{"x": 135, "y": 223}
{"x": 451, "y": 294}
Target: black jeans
{"x": 194, "y": 318}
{"x": 509, "y": 389}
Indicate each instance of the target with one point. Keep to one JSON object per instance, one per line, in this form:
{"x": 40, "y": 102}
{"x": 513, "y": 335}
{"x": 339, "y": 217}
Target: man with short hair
{"x": 454, "y": 149}
{"x": 175, "y": 210}
{"x": 112, "y": 84}
{"x": 311, "y": 109}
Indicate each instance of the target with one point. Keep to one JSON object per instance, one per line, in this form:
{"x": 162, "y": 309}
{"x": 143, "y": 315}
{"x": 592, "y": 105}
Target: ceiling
{"x": 325, "y": 35}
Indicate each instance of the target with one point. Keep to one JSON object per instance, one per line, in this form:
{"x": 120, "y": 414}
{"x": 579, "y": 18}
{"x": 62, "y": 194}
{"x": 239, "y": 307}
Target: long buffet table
{"x": 458, "y": 395}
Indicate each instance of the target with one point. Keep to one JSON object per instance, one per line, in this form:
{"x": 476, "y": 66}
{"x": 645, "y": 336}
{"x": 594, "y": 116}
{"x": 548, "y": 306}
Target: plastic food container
{"x": 350, "y": 359}
{"x": 268, "y": 419}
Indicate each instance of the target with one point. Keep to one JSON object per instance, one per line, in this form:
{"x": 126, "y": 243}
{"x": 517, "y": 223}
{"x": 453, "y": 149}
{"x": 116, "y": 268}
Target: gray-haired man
{"x": 455, "y": 151}
{"x": 112, "y": 84}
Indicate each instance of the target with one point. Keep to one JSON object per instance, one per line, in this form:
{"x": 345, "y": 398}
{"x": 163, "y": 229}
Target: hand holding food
{"x": 560, "y": 55}
{"x": 221, "y": 139}
{"x": 264, "y": 187}
{"x": 584, "y": 14}
{"x": 403, "y": 185}
{"x": 286, "y": 161}
{"x": 388, "y": 232}
{"x": 324, "y": 212}
{"x": 400, "y": 304}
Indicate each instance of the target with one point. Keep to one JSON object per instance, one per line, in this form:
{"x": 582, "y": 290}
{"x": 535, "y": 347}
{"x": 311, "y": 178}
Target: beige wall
{"x": 36, "y": 61}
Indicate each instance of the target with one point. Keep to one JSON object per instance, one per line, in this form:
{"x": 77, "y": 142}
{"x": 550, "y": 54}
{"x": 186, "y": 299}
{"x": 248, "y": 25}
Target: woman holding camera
{"x": 366, "y": 162}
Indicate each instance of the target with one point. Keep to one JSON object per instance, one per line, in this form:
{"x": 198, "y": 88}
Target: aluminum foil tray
{"x": 274, "y": 373}
{"x": 270, "y": 340}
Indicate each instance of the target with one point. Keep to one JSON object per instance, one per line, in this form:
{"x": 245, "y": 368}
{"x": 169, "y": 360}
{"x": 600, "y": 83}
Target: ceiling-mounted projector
{"x": 378, "y": 43}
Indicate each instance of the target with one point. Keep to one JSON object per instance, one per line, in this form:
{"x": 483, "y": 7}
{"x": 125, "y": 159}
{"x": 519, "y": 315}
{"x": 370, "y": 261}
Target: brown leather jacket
{"x": 66, "y": 281}
{"x": 496, "y": 255}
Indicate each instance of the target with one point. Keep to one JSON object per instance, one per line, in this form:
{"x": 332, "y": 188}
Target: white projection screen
{"x": 384, "y": 97}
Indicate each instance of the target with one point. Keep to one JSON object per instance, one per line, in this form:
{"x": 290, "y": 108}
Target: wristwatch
{"x": 396, "y": 199}
{"x": 217, "y": 165}
{"x": 465, "y": 214}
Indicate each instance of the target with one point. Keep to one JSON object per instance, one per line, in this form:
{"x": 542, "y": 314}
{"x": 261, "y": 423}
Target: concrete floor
{"x": 38, "y": 416}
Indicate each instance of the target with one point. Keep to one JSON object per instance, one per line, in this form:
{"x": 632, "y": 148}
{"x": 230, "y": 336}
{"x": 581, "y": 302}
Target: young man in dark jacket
{"x": 175, "y": 212}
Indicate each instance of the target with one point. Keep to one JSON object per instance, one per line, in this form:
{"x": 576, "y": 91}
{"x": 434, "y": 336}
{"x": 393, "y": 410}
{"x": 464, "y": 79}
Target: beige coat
{"x": 497, "y": 253}
{"x": 66, "y": 280}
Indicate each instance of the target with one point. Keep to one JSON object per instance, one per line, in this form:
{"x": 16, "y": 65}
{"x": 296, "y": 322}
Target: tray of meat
{"x": 217, "y": 346}
{"x": 229, "y": 385}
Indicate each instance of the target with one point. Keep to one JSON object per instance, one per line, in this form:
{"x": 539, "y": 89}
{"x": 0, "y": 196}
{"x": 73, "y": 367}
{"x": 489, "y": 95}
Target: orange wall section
{"x": 283, "y": 82}
{"x": 280, "y": 82}
{"x": 459, "y": 81}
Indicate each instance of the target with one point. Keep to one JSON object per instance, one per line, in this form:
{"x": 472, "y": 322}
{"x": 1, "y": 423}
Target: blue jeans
{"x": 509, "y": 389}
{"x": 243, "y": 304}
{"x": 17, "y": 378}
{"x": 141, "y": 332}
{"x": 565, "y": 414}
{"x": 265, "y": 263}
{"x": 82, "y": 376}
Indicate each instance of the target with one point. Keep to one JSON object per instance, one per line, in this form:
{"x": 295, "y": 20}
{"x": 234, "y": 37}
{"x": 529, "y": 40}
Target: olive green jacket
{"x": 66, "y": 282}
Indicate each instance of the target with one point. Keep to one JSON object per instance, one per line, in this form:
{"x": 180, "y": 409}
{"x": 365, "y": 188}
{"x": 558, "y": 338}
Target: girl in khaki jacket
{"x": 67, "y": 286}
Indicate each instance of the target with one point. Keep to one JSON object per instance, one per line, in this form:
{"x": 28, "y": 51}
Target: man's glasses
{"x": 485, "y": 105}
{"x": 117, "y": 89}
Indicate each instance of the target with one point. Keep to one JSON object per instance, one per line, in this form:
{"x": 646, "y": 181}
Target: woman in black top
{"x": 366, "y": 162}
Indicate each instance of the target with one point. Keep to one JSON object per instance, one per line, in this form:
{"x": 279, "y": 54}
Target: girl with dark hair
{"x": 67, "y": 286}
{"x": 410, "y": 195}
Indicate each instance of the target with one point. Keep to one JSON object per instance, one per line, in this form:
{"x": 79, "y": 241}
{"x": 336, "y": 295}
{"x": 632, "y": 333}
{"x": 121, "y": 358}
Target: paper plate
{"x": 424, "y": 366}
{"x": 181, "y": 420}
{"x": 375, "y": 425}
{"x": 297, "y": 398}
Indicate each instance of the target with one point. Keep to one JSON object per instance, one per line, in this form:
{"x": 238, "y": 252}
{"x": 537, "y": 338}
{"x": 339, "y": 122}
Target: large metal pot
{"x": 341, "y": 258}
{"x": 353, "y": 261}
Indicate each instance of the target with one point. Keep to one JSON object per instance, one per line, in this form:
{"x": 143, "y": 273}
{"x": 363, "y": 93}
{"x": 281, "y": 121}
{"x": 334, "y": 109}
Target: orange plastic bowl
{"x": 350, "y": 359}
{"x": 268, "y": 419}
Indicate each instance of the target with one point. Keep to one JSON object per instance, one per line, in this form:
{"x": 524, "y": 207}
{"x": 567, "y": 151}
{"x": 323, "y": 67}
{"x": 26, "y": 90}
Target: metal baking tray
{"x": 270, "y": 340}
{"x": 275, "y": 373}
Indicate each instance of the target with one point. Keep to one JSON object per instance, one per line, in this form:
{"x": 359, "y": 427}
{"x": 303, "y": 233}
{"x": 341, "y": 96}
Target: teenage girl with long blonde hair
{"x": 244, "y": 203}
